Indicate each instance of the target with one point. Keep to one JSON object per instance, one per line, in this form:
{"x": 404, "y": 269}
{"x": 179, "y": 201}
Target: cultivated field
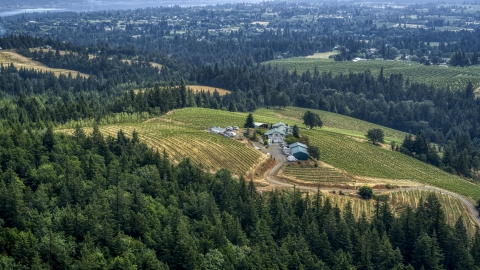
{"x": 366, "y": 160}
{"x": 320, "y": 174}
{"x": 183, "y": 134}
{"x": 440, "y": 76}
{"x": 20, "y": 61}
{"x": 209, "y": 151}
{"x": 399, "y": 200}
{"x": 354, "y": 157}
{"x": 335, "y": 122}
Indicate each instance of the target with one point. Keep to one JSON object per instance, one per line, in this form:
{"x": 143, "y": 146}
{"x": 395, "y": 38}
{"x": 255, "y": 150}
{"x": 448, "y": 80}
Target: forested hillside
{"x": 90, "y": 202}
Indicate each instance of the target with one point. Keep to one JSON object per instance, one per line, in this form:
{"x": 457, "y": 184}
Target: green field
{"x": 335, "y": 122}
{"x": 339, "y": 149}
{"x": 440, "y": 76}
{"x": 183, "y": 134}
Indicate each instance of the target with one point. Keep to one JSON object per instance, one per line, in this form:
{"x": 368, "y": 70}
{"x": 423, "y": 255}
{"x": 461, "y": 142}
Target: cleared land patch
{"x": 340, "y": 150}
{"x": 200, "y": 88}
{"x": 211, "y": 89}
{"x": 20, "y": 61}
{"x": 324, "y": 55}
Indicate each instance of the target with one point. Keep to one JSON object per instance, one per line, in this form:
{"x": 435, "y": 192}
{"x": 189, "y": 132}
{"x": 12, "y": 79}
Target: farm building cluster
{"x": 227, "y": 132}
{"x": 277, "y": 134}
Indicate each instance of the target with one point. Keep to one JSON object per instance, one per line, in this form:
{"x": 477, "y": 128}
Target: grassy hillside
{"x": 455, "y": 77}
{"x": 339, "y": 149}
{"x": 183, "y": 134}
{"x": 20, "y": 61}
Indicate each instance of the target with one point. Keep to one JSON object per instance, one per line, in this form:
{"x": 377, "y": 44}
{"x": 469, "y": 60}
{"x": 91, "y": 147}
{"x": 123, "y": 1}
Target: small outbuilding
{"x": 260, "y": 125}
{"x": 300, "y": 153}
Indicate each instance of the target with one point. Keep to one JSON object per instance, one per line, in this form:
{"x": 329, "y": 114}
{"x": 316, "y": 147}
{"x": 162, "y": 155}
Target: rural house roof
{"x": 271, "y": 131}
{"x": 297, "y": 144}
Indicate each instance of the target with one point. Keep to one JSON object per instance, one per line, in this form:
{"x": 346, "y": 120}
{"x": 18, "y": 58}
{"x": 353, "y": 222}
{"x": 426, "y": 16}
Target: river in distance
{"x": 97, "y": 6}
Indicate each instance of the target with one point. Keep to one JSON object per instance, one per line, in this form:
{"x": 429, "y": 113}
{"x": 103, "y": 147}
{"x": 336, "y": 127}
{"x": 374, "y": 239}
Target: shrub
{"x": 366, "y": 192}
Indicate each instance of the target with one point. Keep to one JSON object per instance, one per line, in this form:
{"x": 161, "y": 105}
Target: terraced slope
{"x": 321, "y": 174}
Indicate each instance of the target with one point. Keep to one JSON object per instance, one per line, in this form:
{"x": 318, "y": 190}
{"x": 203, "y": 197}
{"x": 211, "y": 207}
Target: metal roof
{"x": 271, "y": 131}
{"x": 299, "y": 150}
{"x": 297, "y": 144}
{"x": 279, "y": 124}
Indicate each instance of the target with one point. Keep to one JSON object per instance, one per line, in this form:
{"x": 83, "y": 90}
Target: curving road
{"x": 271, "y": 176}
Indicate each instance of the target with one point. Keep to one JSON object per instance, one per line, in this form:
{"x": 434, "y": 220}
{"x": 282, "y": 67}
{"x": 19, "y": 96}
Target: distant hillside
{"x": 440, "y": 76}
{"x": 20, "y": 61}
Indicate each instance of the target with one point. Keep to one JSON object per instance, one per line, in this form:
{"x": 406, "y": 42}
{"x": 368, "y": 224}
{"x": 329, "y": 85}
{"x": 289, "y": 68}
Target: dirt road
{"x": 271, "y": 176}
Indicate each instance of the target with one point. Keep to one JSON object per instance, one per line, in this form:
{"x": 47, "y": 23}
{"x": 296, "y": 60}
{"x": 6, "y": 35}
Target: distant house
{"x": 276, "y": 135}
{"x": 260, "y": 125}
{"x": 299, "y": 151}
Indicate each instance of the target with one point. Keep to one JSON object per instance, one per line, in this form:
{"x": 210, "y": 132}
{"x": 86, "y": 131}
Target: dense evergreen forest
{"x": 89, "y": 202}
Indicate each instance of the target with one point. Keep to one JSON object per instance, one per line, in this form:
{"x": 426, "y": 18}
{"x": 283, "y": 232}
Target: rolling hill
{"x": 183, "y": 133}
